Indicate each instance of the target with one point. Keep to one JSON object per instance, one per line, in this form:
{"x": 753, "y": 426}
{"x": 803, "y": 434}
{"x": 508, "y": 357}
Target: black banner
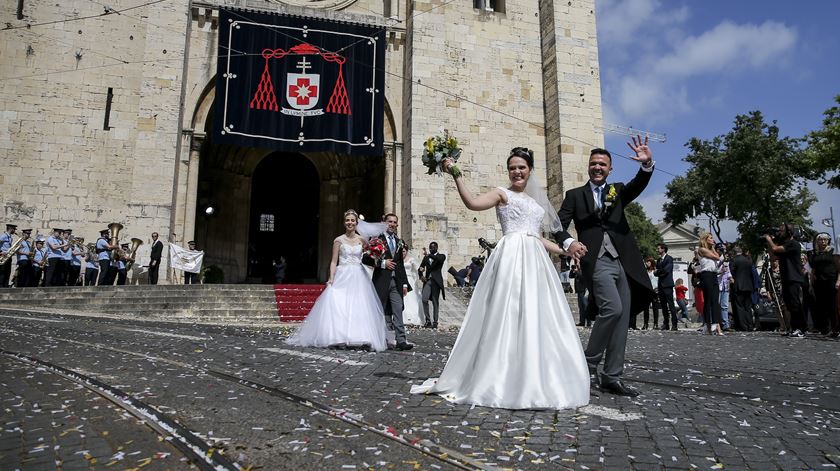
{"x": 299, "y": 84}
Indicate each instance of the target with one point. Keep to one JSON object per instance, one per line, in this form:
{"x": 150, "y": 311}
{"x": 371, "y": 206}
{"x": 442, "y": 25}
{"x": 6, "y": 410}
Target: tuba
{"x": 135, "y": 244}
{"x": 12, "y": 251}
{"x": 114, "y": 237}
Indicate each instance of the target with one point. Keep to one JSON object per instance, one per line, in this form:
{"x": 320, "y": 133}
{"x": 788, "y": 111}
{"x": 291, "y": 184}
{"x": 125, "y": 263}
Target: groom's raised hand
{"x": 643, "y": 153}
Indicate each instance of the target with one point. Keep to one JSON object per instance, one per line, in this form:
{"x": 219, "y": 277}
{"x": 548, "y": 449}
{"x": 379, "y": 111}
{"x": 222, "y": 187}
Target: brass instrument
{"x": 12, "y": 251}
{"x": 135, "y": 244}
{"x": 91, "y": 251}
{"x": 114, "y": 237}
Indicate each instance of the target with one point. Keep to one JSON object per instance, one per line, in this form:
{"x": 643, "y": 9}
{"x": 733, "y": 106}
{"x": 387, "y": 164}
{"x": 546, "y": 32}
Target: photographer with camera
{"x": 788, "y": 251}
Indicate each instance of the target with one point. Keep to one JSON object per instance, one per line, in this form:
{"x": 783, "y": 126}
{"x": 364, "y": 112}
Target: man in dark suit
{"x": 433, "y": 282}
{"x": 609, "y": 258}
{"x": 665, "y": 275}
{"x": 742, "y": 287}
{"x": 154, "y": 260}
{"x": 390, "y": 280}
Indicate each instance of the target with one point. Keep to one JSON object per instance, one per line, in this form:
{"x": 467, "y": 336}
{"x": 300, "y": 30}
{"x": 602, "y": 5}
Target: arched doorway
{"x": 285, "y": 203}
{"x": 228, "y": 178}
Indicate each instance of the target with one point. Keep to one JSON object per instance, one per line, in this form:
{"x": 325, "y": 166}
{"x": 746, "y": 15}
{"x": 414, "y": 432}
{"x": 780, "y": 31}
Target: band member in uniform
{"x": 66, "y": 259}
{"x": 55, "y": 251}
{"x": 90, "y": 267}
{"x": 76, "y": 263}
{"x": 103, "y": 256}
{"x": 122, "y": 258}
{"x": 39, "y": 261}
{"x": 154, "y": 261}
{"x": 5, "y": 247}
{"x": 24, "y": 260}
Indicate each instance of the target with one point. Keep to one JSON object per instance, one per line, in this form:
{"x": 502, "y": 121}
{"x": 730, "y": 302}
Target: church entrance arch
{"x": 307, "y": 193}
{"x": 285, "y": 204}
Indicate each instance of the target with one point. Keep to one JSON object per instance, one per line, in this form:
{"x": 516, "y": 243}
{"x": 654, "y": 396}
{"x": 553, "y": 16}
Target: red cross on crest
{"x": 303, "y": 91}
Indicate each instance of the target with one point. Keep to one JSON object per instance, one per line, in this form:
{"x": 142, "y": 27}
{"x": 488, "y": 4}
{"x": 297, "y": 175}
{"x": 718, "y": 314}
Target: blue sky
{"x": 686, "y": 68}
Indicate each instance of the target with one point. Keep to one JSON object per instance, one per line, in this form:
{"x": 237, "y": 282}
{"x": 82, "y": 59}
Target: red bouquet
{"x": 375, "y": 248}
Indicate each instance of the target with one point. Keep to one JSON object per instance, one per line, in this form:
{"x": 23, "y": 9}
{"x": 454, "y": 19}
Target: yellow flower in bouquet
{"x": 437, "y": 149}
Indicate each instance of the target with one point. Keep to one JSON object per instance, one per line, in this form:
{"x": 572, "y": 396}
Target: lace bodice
{"x": 520, "y": 214}
{"x": 349, "y": 254}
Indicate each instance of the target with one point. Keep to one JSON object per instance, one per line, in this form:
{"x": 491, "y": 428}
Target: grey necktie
{"x": 598, "y": 190}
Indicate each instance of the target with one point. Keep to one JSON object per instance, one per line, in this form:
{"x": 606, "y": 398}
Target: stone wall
{"x": 527, "y": 76}
{"x": 61, "y": 167}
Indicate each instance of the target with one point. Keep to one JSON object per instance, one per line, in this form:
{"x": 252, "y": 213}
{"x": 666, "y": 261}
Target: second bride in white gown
{"x": 348, "y": 312}
{"x": 518, "y": 347}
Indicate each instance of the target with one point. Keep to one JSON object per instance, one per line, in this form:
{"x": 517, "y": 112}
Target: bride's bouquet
{"x": 375, "y": 248}
{"x": 440, "y": 147}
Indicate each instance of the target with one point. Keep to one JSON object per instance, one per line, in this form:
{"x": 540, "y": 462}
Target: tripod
{"x": 766, "y": 277}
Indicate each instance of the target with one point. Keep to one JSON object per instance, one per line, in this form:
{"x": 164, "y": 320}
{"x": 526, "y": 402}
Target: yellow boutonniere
{"x": 611, "y": 194}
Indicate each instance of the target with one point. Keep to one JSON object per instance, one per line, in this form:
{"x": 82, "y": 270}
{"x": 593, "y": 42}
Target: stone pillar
{"x": 192, "y": 187}
{"x": 571, "y": 91}
{"x": 391, "y": 173}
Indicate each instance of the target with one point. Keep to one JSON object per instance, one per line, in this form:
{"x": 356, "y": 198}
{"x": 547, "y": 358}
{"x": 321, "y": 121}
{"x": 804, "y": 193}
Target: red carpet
{"x": 295, "y": 301}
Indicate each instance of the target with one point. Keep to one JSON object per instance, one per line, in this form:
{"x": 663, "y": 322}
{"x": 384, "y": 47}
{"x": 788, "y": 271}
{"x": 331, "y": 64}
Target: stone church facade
{"x": 109, "y": 118}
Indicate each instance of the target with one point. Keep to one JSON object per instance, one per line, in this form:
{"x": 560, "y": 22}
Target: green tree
{"x": 647, "y": 236}
{"x": 750, "y": 175}
{"x": 823, "y": 152}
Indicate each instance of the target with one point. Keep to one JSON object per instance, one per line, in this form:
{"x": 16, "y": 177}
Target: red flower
{"x": 375, "y": 248}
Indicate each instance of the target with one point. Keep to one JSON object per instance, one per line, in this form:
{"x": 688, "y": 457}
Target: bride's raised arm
{"x": 488, "y": 200}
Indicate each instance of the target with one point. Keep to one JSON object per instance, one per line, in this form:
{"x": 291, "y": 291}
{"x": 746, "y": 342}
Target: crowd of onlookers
{"x": 789, "y": 289}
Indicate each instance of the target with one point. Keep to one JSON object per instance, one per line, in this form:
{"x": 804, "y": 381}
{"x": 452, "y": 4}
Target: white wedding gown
{"x": 348, "y": 312}
{"x": 518, "y": 347}
{"x": 412, "y": 307}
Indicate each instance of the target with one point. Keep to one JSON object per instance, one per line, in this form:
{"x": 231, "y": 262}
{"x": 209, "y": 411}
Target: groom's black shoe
{"x": 427, "y": 325}
{"x": 434, "y": 325}
{"x": 618, "y": 388}
{"x": 594, "y": 381}
{"x": 404, "y": 346}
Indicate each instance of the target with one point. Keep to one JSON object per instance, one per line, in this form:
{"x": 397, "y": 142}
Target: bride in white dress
{"x": 348, "y": 312}
{"x": 518, "y": 347}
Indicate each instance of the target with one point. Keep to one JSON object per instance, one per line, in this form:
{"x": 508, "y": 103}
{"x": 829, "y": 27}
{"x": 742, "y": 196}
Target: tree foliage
{"x": 750, "y": 175}
{"x": 647, "y": 236}
{"x": 823, "y": 153}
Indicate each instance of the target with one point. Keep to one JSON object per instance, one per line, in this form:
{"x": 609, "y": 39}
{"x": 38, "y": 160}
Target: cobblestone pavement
{"x": 743, "y": 401}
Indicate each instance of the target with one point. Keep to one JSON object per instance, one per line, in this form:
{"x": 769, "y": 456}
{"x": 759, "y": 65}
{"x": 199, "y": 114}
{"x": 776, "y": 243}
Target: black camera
{"x": 773, "y": 232}
{"x": 482, "y": 242}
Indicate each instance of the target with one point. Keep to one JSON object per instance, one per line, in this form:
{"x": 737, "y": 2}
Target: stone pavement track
{"x": 743, "y": 401}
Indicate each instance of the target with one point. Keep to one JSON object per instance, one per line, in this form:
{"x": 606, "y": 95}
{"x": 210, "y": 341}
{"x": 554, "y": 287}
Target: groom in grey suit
{"x": 390, "y": 280}
{"x": 610, "y": 261}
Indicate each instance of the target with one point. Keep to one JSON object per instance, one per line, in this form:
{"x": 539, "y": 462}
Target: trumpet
{"x": 135, "y": 244}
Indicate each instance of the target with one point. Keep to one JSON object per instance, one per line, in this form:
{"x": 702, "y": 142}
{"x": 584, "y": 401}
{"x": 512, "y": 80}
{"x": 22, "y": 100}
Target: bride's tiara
{"x": 353, "y": 212}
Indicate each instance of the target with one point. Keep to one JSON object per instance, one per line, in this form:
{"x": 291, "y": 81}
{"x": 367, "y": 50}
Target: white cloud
{"x": 655, "y": 88}
{"x": 622, "y": 22}
{"x": 725, "y": 46}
